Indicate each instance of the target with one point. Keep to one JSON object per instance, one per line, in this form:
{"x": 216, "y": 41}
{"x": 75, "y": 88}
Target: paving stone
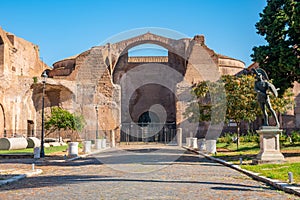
{"x": 189, "y": 176}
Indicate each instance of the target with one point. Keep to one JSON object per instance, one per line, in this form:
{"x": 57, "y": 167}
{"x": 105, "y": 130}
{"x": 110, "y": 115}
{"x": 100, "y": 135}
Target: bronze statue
{"x": 262, "y": 86}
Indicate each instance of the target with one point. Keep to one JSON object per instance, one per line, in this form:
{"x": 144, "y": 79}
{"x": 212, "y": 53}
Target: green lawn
{"x": 243, "y": 147}
{"x": 276, "y": 171}
{"x": 48, "y": 150}
{"x": 248, "y": 151}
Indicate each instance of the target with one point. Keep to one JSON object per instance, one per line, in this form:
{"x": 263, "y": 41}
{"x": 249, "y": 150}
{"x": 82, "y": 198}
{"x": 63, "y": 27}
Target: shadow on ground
{"x": 52, "y": 181}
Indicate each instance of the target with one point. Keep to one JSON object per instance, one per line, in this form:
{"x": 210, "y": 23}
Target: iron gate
{"x": 148, "y": 132}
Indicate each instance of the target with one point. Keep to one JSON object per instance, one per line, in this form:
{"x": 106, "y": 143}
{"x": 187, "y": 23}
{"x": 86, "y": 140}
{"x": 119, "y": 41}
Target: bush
{"x": 227, "y": 138}
{"x": 283, "y": 138}
{"x": 295, "y": 136}
{"x": 250, "y": 137}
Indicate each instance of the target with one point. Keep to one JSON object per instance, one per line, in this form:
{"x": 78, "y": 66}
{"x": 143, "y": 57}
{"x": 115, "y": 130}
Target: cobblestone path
{"x": 141, "y": 172}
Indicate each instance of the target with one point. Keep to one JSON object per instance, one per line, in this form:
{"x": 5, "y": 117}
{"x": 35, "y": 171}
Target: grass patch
{"x": 244, "y": 147}
{"x": 276, "y": 171}
{"x": 289, "y": 146}
{"x": 222, "y": 145}
{"x": 48, "y": 150}
{"x": 249, "y": 150}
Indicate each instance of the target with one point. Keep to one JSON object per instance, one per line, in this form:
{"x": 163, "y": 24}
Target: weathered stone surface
{"x": 269, "y": 145}
{"x": 93, "y": 77}
{"x": 13, "y": 143}
{"x": 33, "y": 142}
{"x": 19, "y": 63}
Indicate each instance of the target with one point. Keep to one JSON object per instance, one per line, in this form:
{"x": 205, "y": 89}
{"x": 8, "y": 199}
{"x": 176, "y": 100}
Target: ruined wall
{"x": 97, "y": 73}
{"x": 19, "y": 63}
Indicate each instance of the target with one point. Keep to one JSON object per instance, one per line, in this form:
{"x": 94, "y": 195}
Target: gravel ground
{"x": 138, "y": 172}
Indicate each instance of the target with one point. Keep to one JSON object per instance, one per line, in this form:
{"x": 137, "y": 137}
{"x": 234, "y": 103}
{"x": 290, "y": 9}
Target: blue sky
{"x": 63, "y": 28}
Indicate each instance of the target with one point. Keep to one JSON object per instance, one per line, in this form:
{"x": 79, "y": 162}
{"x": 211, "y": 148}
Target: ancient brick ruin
{"x": 102, "y": 76}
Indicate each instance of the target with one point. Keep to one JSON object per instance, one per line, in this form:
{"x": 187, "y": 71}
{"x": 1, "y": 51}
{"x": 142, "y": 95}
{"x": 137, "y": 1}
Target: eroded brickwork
{"x": 19, "y": 63}
{"x": 93, "y": 78}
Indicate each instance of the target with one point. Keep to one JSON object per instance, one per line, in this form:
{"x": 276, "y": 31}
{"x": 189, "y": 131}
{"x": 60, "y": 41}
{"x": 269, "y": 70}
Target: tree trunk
{"x": 238, "y": 135}
{"x": 280, "y": 120}
{"x": 59, "y": 136}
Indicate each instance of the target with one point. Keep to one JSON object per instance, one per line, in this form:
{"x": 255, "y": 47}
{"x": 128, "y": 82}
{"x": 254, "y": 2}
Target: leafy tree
{"x": 280, "y": 25}
{"x": 209, "y": 103}
{"x": 78, "y": 122}
{"x": 241, "y": 100}
{"x": 61, "y": 119}
{"x": 282, "y": 104}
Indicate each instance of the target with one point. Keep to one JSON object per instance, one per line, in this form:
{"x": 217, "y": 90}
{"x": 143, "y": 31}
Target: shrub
{"x": 227, "y": 138}
{"x": 250, "y": 137}
{"x": 295, "y": 136}
{"x": 283, "y": 138}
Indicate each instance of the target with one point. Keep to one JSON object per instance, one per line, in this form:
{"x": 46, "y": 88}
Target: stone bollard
{"x": 188, "y": 141}
{"x": 87, "y": 146}
{"x": 103, "y": 145}
{"x": 73, "y": 148}
{"x": 291, "y": 178}
{"x": 36, "y": 152}
{"x": 211, "y": 146}
{"x": 98, "y": 144}
{"x": 194, "y": 144}
{"x": 201, "y": 144}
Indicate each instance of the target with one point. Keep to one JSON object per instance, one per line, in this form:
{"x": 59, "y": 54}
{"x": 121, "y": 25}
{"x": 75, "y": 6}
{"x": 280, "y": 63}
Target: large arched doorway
{"x": 138, "y": 98}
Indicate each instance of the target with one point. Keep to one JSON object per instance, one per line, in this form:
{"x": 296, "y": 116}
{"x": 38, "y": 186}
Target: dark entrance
{"x": 148, "y": 132}
{"x": 30, "y": 128}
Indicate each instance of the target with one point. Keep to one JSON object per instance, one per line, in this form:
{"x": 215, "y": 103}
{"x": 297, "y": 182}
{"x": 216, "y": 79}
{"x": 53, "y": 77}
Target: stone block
{"x": 269, "y": 146}
{"x": 201, "y": 144}
{"x": 211, "y": 146}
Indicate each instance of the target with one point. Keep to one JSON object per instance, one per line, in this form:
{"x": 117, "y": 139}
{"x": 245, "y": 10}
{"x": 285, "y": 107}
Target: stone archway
{"x": 96, "y": 74}
{"x": 148, "y": 95}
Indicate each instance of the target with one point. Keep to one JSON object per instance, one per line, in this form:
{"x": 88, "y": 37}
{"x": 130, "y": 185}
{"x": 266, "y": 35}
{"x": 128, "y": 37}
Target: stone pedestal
{"x": 87, "y": 146}
{"x": 269, "y": 145}
{"x": 194, "y": 143}
{"x": 103, "y": 143}
{"x": 98, "y": 144}
{"x": 211, "y": 146}
{"x": 188, "y": 141}
{"x": 73, "y": 148}
{"x": 201, "y": 144}
{"x": 36, "y": 152}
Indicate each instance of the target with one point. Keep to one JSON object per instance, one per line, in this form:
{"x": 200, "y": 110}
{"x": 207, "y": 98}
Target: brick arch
{"x": 120, "y": 48}
{"x": 137, "y": 43}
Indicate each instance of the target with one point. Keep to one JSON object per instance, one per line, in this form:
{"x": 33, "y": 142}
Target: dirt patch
{"x": 291, "y": 156}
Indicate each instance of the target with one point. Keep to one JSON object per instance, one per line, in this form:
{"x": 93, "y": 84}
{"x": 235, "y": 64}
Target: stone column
{"x": 179, "y": 137}
{"x": 269, "y": 145}
{"x": 113, "y": 139}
